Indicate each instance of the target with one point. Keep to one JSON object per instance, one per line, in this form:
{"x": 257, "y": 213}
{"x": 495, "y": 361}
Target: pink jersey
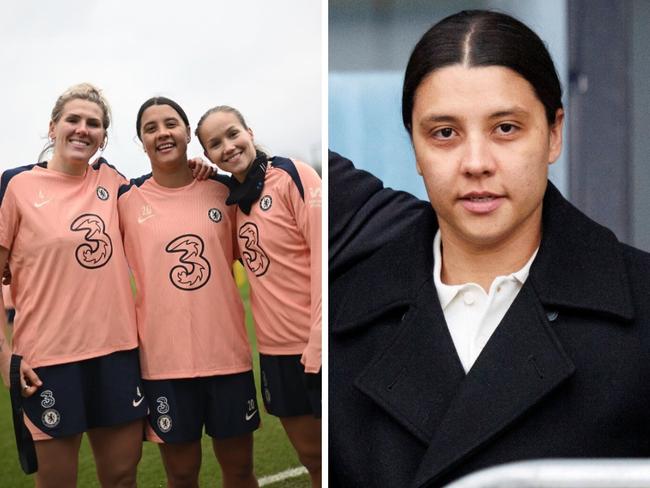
{"x": 180, "y": 245}
{"x": 280, "y": 245}
{"x": 70, "y": 280}
{"x": 6, "y": 297}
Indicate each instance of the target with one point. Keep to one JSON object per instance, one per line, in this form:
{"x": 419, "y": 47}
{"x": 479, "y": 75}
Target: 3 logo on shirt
{"x": 193, "y": 270}
{"x": 255, "y": 259}
{"x": 97, "y": 248}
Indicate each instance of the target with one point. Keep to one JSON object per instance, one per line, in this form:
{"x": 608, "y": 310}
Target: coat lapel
{"x": 417, "y": 374}
{"x": 412, "y": 377}
{"x": 522, "y": 363}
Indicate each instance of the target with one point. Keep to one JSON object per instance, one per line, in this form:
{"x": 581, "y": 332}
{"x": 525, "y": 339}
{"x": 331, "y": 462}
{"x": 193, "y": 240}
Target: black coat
{"x": 566, "y": 373}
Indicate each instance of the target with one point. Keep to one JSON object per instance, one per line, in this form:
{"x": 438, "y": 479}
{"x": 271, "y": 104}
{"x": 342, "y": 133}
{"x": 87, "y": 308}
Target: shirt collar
{"x": 446, "y": 293}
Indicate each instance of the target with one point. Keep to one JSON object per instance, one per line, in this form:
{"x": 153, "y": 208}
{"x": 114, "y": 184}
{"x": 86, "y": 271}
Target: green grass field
{"x": 273, "y": 452}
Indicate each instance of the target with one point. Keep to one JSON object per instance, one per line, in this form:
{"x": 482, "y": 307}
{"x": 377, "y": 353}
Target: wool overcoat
{"x": 565, "y": 375}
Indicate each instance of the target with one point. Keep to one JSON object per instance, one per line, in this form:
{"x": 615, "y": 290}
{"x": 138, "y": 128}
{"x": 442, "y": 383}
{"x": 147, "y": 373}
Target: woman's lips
{"x": 481, "y": 203}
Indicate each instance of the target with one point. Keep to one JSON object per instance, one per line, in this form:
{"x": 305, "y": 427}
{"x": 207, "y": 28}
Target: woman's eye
{"x": 444, "y": 133}
{"x": 507, "y": 129}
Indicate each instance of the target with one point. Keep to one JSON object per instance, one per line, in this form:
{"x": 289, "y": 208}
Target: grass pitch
{"x": 273, "y": 452}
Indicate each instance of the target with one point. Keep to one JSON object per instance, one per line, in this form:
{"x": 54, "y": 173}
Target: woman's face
{"x": 483, "y": 145}
{"x": 79, "y": 131}
{"x": 164, "y": 136}
{"x": 228, "y": 144}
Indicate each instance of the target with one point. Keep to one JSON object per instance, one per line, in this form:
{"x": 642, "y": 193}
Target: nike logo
{"x": 40, "y": 204}
{"x": 250, "y": 415}
{"x": 146, "y": 217}
{"x": 136, "y": 403}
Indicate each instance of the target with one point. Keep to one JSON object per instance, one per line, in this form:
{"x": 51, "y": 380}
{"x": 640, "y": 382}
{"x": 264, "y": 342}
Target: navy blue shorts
{"x": 97, "y": 392}
{"x": 286, "y": 389}
{"x": 225, "y": 404}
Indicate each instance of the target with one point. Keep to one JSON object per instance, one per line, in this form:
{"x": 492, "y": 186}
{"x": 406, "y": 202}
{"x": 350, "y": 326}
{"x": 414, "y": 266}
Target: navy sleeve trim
{"x": 288, "y": 166}
{"x": 97, "y": 164}
{"x": 134, "y": 182}
{"x": 10, "y": 173}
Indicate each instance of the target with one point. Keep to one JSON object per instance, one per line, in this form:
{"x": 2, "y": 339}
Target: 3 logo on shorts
{"x": 266, "y": 202}
{"x": 165, "y": 423}
{"x": 51, "y": 418}
{"x": 48, "y": 399}
{"x": 215, "y": 215}
{"x": 102, "y": 193}
{"x": 163, "y": 405}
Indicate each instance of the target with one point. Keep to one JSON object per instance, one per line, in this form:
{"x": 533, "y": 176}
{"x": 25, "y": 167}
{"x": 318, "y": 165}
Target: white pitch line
{"x": 283, "y": 475}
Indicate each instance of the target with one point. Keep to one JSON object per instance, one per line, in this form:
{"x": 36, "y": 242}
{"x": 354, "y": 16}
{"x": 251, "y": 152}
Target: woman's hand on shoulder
{"x": 201, "y": 169}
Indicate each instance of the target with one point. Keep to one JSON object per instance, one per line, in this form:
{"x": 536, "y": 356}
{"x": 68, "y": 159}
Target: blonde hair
{"x": 81, "y": 91}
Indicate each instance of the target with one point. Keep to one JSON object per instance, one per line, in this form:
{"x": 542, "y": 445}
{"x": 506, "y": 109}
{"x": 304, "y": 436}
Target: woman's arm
{"x": 308, "y": 215}
{"x": 363, "y": 215}
{"x": 30, "y": 381}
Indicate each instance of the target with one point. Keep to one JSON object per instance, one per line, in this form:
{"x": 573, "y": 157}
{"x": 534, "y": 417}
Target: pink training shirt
{"x": 280, "y": 246}
{"x": 70, "y": 280}
{"x": 180, "y": 245}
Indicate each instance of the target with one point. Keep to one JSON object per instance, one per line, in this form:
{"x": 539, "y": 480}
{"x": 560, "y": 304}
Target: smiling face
{"x": 78, "y": 133}
{"x": 164, "y": 136}
{"x": 227, "y": 143}
{"x": 483, "y": 145}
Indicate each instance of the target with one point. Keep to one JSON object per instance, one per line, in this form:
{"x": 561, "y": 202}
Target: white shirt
{"x": 471, "y": 314}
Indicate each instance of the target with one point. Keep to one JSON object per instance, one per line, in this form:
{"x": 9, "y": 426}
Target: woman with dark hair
{"x": 496, "y": 322}
{"x": 194, "y": 352}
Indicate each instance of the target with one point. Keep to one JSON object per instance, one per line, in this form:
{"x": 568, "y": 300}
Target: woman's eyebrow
{"x": 439, "y": 118}
{"x": 516, "y": 111}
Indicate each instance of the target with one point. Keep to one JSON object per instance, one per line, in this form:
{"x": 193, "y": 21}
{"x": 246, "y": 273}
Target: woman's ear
{"x": 555, "y": 137}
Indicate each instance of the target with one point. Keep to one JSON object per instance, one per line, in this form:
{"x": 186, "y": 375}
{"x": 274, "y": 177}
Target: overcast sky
{"x": 260, "y": 56}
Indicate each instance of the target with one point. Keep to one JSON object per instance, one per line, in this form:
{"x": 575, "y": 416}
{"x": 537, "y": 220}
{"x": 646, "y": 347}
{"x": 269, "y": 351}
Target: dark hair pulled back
{"x": 477, "y": 38}
{"x": 159, "y": 101}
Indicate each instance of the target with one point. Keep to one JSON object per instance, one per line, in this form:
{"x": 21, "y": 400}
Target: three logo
{"x": 193, "y": 270}
{"x": 97, "y": 248}
{"x": 164, "y": 421}
{"x": 50, "y": 417}
{"x": 255, "y": 258}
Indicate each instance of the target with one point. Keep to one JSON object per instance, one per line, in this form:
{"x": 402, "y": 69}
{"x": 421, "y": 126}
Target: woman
{"x": 76, "y": 333}
{"x": 195, "y": 356}
{"x": 496, "y": 322}
{"x": 278, "y": 228}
